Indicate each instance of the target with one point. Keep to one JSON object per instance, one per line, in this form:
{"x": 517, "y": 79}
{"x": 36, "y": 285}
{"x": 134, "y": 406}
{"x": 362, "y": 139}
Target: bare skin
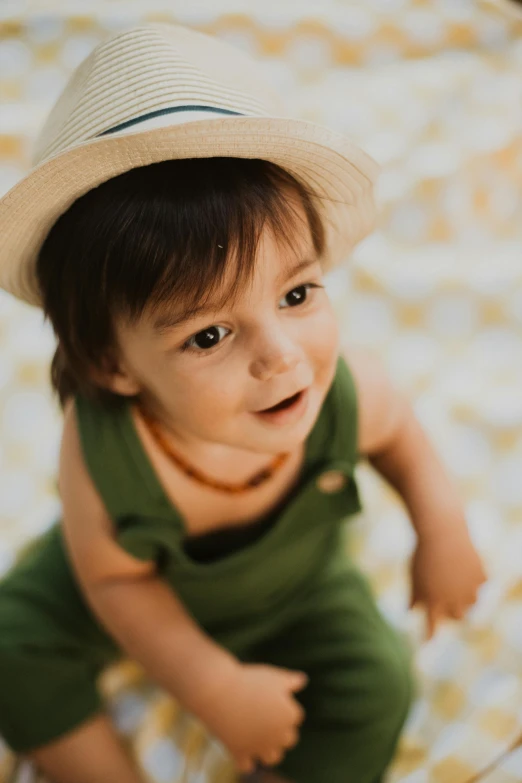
{"x": 71, "y": 758}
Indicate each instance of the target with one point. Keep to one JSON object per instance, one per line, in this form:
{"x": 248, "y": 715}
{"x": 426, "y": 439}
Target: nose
{"x": 274, "y": 355}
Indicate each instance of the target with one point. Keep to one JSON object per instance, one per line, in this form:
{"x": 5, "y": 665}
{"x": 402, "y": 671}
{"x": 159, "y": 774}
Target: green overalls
{"x": 290, "y": 597}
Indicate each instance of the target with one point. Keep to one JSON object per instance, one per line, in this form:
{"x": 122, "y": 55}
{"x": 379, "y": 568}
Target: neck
{"x": 220, "y": 460}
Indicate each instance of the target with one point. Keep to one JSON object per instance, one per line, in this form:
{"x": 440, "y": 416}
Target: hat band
{"x": 156, "y": 119}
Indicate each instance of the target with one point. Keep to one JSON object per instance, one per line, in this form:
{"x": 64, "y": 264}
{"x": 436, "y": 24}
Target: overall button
{"x": 331, "y": 481}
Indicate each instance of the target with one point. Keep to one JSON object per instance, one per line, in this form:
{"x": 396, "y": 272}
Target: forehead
{"x": 276, "y": 262}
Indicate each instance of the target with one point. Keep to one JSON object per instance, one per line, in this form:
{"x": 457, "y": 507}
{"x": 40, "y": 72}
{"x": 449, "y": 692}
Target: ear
{"x": 121, "y": 383}
{"x": 116, "y": 378}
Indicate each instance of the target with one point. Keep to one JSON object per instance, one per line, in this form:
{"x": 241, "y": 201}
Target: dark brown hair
{"x": 158, "y": 233}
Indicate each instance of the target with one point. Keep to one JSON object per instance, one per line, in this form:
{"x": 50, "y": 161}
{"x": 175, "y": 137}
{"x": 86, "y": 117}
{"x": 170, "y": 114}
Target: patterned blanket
{"x": 432, "y": 89}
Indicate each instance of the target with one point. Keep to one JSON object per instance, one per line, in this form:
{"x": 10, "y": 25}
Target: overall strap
{"x": 335, "y": 433}
{"x": 117, "y": 462}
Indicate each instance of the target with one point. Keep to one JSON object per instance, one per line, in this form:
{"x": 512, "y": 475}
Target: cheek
{"x": 187, "y": 387}
{"x": 204, "y": 393}
{"x": 323, "y": 337}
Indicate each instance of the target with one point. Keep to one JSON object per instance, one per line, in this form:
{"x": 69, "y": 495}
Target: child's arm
{"x": 446, "y": 569}
{"x": 250, "y": 708}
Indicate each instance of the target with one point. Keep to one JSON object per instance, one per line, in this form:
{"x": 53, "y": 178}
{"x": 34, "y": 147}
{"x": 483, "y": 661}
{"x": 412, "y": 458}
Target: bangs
{"x": 191, "y": 221}
{"x": 163, "y": 236}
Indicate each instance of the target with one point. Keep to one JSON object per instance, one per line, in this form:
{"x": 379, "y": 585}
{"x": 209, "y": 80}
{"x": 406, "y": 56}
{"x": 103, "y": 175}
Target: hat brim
{"x": 340, "y": 173}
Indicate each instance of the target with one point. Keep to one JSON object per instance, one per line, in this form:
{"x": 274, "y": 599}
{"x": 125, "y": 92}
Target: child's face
{"x": 210, "y": 376}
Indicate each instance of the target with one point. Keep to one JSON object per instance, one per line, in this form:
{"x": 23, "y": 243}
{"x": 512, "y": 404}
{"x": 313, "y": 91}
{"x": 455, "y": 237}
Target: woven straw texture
{"x": 432, "y": 90}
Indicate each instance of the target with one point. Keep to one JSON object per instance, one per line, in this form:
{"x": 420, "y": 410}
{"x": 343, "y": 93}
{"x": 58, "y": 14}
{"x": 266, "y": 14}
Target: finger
{"x": 296, "y": 681}
{"x": 470, "y": 598}
{"x": 434, "y": 615}
{"x": 299, "y": 714}
{"x": 457, "y": 612}
{"x": 291, "y": 739}
{"x": 272, "y": 757}
{"x": 244, "y": 764}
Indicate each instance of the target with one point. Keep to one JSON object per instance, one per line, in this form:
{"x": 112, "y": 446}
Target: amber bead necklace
{"x": 254, "y": 481}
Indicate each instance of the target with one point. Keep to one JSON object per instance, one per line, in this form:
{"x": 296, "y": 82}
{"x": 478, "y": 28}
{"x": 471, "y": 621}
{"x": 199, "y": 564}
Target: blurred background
{"x": 433, "y": 90}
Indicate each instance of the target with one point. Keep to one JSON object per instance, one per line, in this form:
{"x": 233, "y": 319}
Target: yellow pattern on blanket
{"x": 432, "y": 89}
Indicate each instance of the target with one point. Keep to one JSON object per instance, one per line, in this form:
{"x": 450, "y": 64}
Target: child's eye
{"x": 206, "y": 339}
{"x": 298, "y": 295}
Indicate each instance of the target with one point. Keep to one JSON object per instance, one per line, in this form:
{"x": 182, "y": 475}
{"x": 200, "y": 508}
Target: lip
{"x": 286, "y": 415}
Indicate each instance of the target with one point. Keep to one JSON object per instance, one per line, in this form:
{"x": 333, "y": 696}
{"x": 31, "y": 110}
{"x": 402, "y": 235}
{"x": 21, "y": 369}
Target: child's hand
{"x": 257, "y": 717}
{"x": 446, "y": 574}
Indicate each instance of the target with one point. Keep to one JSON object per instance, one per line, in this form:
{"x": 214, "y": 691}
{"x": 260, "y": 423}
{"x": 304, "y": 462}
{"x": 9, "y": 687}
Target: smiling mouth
{"x": 286, "y": 403}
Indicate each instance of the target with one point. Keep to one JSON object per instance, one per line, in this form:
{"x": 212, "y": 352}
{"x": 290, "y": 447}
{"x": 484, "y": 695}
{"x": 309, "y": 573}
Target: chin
{"x": 295, "y": 435}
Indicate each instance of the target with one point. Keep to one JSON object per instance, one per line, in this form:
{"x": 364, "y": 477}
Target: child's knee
{"x": 44, "y": 693}
{"x": 14, "y": 706}
{"x": 355, "y": 715}
{"x": 375, "y": 690}
{"x": 391, "y": 685}
{"x": 11, "y": 635}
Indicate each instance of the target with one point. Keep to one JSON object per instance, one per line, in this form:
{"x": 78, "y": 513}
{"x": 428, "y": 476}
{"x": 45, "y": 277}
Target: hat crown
{"x": 148, "y": 69}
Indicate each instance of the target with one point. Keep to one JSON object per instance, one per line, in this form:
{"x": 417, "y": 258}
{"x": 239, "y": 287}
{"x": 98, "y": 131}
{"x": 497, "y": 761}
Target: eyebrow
{"x": 170, "y": 320}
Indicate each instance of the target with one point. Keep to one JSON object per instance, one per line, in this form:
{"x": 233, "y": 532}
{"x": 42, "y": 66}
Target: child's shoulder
{"x": 87, "y": 526}
{"x": 380, "y": 406}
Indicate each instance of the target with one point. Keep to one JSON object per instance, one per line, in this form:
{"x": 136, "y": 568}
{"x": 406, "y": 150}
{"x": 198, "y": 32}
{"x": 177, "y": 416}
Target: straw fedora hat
{"x": 161, "y": 91}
